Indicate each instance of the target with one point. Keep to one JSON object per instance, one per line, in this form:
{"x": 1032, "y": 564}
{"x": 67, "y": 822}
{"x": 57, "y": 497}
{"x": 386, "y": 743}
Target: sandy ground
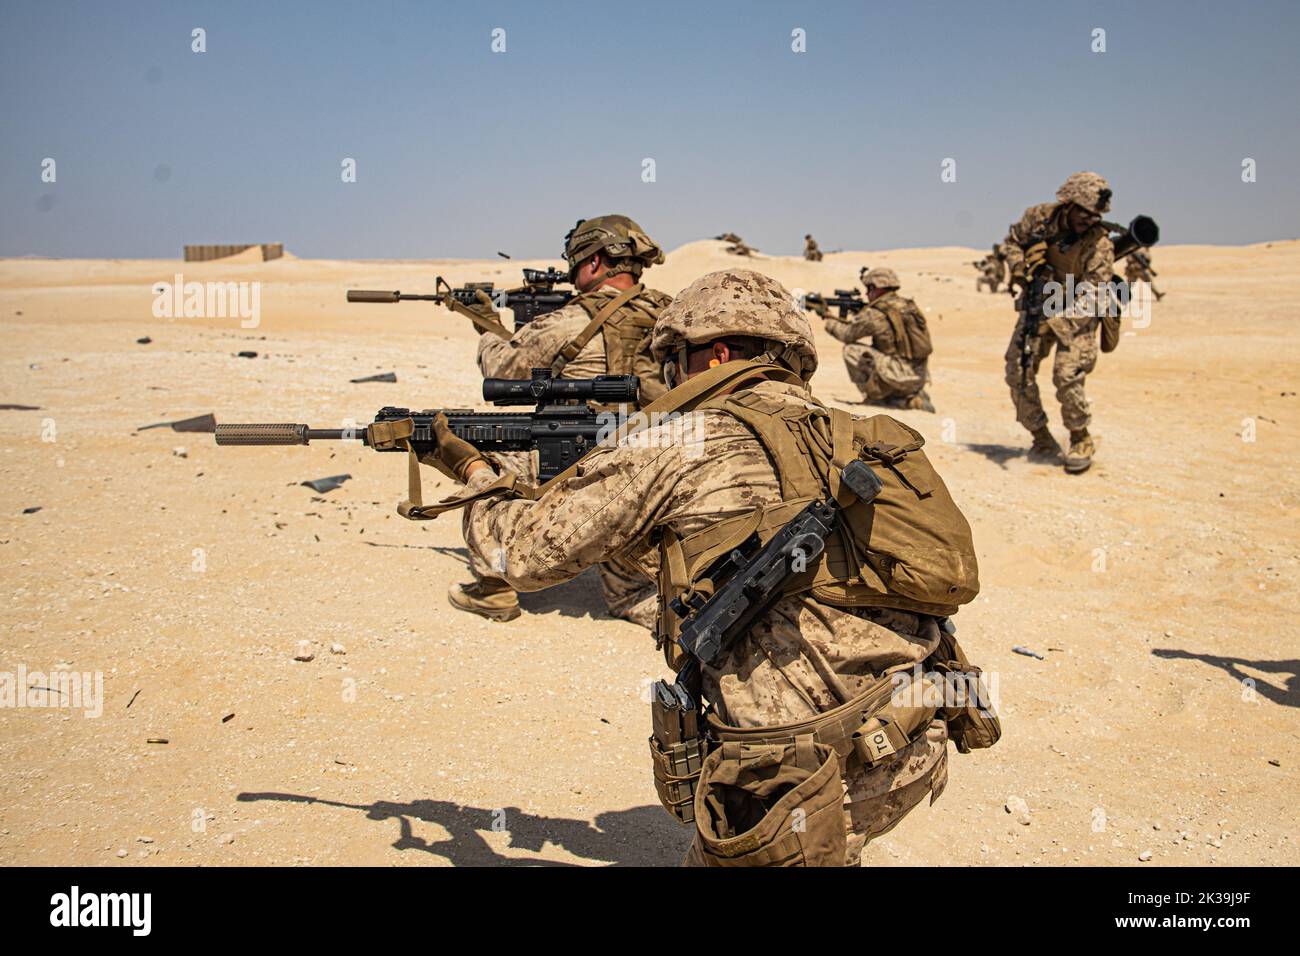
{"x": 1159, "y": 587}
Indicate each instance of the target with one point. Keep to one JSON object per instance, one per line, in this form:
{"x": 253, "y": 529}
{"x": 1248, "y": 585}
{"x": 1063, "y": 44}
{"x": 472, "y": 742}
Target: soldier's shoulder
{"x": 1038, "y": 213}
{"x": 656, "y": 298}
{"x": 571, "y": 313}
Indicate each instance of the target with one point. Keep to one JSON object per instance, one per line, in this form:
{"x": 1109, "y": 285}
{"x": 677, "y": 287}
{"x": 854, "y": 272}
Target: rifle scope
{"x": 541, "y": 389}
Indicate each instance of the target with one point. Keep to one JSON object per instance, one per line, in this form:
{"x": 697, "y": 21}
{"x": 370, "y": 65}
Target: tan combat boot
{"x": 1045, "y": 447}
{"x": 920, "y": 401}
{"x": 490, "y": 598}
{"x": 1082, "y": 448}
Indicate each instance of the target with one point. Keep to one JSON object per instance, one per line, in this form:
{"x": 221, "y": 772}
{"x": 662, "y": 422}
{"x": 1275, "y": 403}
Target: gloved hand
{"x": 453, "y": 456}
{"x": 1035, "y": 257}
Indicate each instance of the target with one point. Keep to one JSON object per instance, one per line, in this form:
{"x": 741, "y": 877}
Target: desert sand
{"x": 1159, "y": 587}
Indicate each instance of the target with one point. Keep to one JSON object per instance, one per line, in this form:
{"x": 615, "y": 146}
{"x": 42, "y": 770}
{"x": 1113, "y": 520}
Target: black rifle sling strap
{"x": 571, "y": 350}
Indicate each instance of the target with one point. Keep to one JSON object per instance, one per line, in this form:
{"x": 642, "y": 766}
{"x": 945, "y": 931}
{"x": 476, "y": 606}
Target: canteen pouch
{"x": 770, "y": 805}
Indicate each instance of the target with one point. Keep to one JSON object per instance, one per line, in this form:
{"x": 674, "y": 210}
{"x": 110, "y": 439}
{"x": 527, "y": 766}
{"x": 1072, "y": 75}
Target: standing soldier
{"x": 810, "y": 250}
{"x": 993, "y": 270}
{"x": 605, "y": 330}
{"x": 1065, "y": 242}
{"x": 807, "y": 754}
{"x": 893, "y": 367}
{"x": 1138, "y": 269}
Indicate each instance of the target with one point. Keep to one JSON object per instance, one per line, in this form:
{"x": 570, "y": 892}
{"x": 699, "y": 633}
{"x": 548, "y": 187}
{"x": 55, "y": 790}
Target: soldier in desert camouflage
{"x": 802, "y": 658}
{"x": 993, "y": 270}
{"x": 737, "y": 245}
{"x": 810, "y": 250}
{"x": 1137, "y": 268}
{"x": 1068, "y": 238}
{"x": 605, "y": 330}
{"x": 891, "y": 367}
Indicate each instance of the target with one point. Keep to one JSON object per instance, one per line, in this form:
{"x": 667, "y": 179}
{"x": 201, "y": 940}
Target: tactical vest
{"x": 1070, "y": 260}
{"x": 911, "y": 335}
{"x": 625, "y": 322}
{"x": 910, "y": 549}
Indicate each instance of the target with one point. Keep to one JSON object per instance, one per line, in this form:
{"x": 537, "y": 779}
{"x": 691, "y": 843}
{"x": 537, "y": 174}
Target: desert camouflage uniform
{"x": 993, "y": 273}
{"x": 628, "y": 593}
{"x": 800, "y": 659}
{"x": 879, "y": 372}
{"x": 810, "y": 250}
{"x": 1073, "y": 337}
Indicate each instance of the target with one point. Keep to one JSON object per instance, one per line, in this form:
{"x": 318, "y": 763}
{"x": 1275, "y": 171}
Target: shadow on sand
{"x": 1287, "y": 696}
{"x": 998, "y": 454}
{"x": 640, "y": 836}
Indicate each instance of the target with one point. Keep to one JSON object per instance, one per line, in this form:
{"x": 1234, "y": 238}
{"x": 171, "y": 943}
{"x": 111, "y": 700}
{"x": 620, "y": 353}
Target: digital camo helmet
{"x": 737, "y": 302}
{"x": 881, "y": 278}
{"x": 1088, "y": 190}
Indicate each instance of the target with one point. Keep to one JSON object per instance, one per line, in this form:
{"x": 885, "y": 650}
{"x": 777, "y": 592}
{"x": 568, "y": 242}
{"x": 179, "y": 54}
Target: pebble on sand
{"x": 1017, "y": 807}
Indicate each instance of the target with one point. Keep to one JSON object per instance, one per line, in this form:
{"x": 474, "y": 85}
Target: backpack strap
{"x": 574, "y": 347}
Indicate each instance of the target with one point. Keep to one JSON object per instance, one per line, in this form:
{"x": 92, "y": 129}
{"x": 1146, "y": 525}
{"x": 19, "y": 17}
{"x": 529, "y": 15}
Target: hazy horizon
{"x": 461, "y": 151}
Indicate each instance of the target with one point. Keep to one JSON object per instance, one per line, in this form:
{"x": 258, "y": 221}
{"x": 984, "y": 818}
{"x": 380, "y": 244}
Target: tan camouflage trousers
{"x": 876, "y": 800}
{"x": 1076, "y": 356}
{"x": 629, "y": 594}
{"x": 879, "y": 376}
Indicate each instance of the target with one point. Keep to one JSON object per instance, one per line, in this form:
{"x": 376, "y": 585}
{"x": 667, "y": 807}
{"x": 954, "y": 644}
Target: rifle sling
{"x": 481, "y": 322}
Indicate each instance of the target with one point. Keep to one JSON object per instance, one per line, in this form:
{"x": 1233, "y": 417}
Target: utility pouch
{"x": 972, "y": 722}
{"x": 771, "y": 805}
{"x": 1110, "y": 332}
{"x": 895, "y": 725}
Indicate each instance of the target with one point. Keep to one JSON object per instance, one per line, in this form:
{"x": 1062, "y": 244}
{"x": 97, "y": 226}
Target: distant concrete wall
{"x": 270, "y": 250}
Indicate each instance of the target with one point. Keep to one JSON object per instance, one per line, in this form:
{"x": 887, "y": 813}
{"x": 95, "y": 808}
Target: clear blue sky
{"x": 462, "y": 152}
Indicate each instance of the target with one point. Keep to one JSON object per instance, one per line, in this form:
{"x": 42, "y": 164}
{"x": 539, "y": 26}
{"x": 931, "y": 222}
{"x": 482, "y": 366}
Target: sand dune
{"x": 1160, "y": 586}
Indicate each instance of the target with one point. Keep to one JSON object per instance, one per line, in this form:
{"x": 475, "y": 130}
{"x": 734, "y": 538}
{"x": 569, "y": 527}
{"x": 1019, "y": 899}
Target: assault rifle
{"x": 1140, "y": 233}
{"x": 537, "y": 296}
{"x": 563, "y": 428}
{"x": 848, "y": 301}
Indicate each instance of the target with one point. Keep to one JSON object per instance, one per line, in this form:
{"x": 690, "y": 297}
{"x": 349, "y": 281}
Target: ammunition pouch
{"x": 676, "y": 773}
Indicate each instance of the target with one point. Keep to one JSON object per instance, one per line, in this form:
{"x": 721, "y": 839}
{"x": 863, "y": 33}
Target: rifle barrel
{"x": 375, "y": 295}
{"x": 282, "y": 433}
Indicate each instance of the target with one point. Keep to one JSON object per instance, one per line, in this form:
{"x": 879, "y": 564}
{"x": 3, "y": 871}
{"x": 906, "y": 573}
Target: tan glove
{"x": 453, "y": 455}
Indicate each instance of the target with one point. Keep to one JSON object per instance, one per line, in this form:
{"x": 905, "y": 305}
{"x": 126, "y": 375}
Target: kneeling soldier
{"x": 893, "y": 368}
{"x": 804, "y": 751}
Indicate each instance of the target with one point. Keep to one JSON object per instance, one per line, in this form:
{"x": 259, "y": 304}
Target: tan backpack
{"x": 911, "y": 333}
{"x": 911, "y": 548}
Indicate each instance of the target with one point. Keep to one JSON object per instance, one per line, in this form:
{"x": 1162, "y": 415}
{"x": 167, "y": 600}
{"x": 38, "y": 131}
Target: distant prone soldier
{"x": 737, "y": 247}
